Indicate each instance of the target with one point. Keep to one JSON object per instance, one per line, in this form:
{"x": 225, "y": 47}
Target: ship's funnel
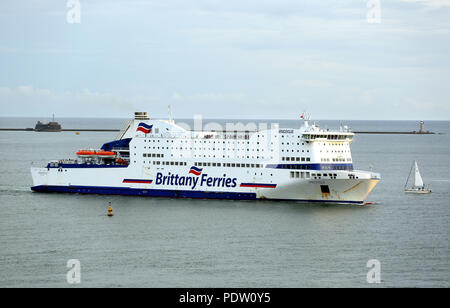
{"x": 141, "y": 116}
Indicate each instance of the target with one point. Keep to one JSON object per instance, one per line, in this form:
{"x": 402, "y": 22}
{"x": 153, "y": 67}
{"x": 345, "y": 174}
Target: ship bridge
{"x": 327, "y": 136}
{"x": 315, "y": 133}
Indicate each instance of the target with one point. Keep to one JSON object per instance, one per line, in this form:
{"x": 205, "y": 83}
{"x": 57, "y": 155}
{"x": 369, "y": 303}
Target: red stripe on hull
{"x": 137, "y": 181}
{"x": 259, "y": 185}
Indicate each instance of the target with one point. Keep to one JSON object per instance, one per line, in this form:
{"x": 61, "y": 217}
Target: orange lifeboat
{"x": 105, "y": 154}
{"x": 86, "y": 153}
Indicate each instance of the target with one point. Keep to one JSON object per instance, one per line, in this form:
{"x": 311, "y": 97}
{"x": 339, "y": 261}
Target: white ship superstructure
{"x": 159, "y": 158}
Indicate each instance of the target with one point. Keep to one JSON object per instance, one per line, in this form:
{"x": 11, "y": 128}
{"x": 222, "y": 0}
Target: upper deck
{"x": 146, "y": 141}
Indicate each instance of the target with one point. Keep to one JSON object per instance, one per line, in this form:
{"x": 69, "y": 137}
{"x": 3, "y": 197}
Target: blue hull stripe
{"x": 125, "y": 191}
{"x": 98, "y": 190}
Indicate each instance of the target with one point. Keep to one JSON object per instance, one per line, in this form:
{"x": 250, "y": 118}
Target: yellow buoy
{"x": 77, "y": 133}
{"x": 110, "y": 211}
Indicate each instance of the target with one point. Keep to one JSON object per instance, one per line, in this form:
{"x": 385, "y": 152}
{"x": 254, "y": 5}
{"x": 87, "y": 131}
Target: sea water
{"x": 154, "y": 242}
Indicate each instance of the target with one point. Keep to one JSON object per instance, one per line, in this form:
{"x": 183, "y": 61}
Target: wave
{"x": 9, "y": 189}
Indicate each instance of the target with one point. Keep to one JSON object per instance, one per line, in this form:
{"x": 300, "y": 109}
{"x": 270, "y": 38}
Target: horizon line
{"x": 215, "y": 118}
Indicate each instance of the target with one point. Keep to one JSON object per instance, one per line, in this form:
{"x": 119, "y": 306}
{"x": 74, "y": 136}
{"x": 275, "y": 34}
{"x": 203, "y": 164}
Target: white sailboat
{"x": 418, "y": 187}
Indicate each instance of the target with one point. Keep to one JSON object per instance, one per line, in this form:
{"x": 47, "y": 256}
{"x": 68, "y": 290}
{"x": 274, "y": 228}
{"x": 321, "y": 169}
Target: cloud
{"x": 222, "y": 58}
{"x": 19, "y": 101}
{"x": 27, "y": 100}
{"x": 432, "y": 3}
{"x": 311, "y": 83}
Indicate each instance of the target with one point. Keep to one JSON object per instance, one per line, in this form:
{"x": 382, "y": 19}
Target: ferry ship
{"x": 159, "y": 158}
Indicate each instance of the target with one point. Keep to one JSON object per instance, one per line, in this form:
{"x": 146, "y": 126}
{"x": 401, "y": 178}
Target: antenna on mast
{"x": 305, "y": 117}
{"x": 170, "y": 115}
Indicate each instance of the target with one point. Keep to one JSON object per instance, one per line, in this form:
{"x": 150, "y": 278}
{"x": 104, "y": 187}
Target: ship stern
{"x": 40, "y": 179}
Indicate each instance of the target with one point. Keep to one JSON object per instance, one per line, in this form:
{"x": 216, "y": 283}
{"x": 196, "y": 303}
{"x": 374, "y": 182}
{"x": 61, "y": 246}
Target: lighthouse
{"x": 422, "y": 128}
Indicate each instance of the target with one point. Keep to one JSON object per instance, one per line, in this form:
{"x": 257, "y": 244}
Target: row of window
{"x": 221, "y": 149}
{"x": 209, "y": 156}
{"x": 315, "y": 176}
{"x": 300, "y": 175}
{"x": 211, "y": 149}
{"x": 232, "y": 165}
{"x": 195, "y": 138}
{"x": 331, "y": 144}
{"x": 298, "y": 151}
{"x": 329, "y": 137}
{"x": 247, "y": 137}
{"x": 153, "y": 155}
{"x": 337, "y": 167}
{"x": 343, "y": 151}
{"x": 287, "y": 143}
{"x": 170, "y": 163}
{"x": 200, "y": 164}
{"x": 318, "y": 176}
{"x": 308, "y": 167}
{"x": 326, "y": 144}
{"x": 194, "y": 141}
{"x": 221, "y": 142}
{"x": 304, "y": 167}
{"x": 295, "y": 159}
{"x": 335, "y": 160}
{"x": 228, "y": 156}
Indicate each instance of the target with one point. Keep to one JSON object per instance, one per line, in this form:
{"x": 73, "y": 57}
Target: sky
{"x": 243, "y": 59}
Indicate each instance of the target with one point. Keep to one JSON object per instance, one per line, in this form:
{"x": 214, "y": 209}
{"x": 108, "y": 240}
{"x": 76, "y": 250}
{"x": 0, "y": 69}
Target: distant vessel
{"x": 48, "y": 127}
{"x": 418, "y": 187}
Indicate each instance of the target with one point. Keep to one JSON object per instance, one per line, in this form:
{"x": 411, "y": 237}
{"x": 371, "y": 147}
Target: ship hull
{"x": 123, "y": 181}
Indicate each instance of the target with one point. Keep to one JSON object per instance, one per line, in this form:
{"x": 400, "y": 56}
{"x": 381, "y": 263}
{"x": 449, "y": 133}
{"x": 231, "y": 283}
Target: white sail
{"x": 418, "y": 182}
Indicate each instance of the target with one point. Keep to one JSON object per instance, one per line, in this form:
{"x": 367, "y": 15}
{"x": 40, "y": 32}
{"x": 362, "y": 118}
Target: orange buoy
{"x": 110, "y": 211}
